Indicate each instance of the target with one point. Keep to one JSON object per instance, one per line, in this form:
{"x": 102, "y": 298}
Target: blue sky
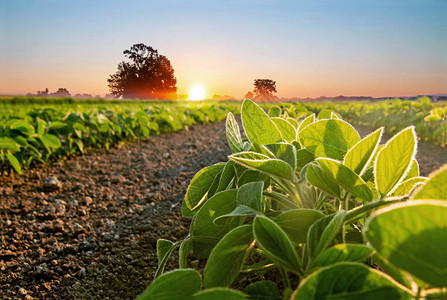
{"x": 310, "y": 48}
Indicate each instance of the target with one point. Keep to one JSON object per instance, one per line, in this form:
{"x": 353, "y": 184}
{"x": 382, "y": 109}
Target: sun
{"x": 197, "y": 92}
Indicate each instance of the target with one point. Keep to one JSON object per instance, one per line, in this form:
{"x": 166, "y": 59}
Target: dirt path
{"x": 94, "y": 237}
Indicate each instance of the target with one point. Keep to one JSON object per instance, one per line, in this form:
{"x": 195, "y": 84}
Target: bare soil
{"x": 92, "y": 233}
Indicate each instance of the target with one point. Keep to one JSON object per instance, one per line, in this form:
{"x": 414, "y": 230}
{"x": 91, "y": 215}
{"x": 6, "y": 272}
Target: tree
{"x": 61, "y": 92}
{"x": 264, "y": 89}
{"x": 146, "y": 75}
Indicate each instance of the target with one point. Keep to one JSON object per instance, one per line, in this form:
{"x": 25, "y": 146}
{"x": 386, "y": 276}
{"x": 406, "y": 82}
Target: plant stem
{"x": 355, "y": 214}
{"x": 285, "y": 277}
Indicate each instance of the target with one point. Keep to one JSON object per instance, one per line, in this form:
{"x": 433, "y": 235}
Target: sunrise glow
{"x": 197, "y": 92}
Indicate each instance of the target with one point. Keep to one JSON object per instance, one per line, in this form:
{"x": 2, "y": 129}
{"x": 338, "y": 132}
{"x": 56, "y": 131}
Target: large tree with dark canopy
{"x": 146, "y": 75}
{"x": 264, "y": 89}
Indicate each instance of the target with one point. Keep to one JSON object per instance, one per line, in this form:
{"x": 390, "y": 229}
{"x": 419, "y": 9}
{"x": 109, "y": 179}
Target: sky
{"x": 310, "y": 48}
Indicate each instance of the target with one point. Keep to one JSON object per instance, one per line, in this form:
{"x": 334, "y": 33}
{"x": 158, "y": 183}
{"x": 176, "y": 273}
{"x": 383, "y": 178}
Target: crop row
{"x": 37, "y": 134}
{"x": 429, "y": 119}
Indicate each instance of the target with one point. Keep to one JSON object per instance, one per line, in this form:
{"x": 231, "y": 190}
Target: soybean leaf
{"x": 14, "y": 162}
{"x": 205, "y": 234}
{"x": 176, "y": 285}
{"x": 275, "y": 111}
{"x": 250, "y": 194}
{"x": 393, "y": 160}
{"x": 263, "y": 290}
{"x": 345, "y": 177}
{"x": 164, "y": 250}
{"x": 349, "y": 280}
{"x": 329, "y": 138}
{"x": 233, "y": 134}
{"x": 317, "y": 176}
{"x": 296, "y": 223}
{"x": 303, "y": 157}
{"x": 412, "y": 237}
{"x": 307, "y": 121}
{"x": 407, "y": 186}
{"x": 322, "y": 233}
{"x": 294, "y": 123}
{"x": 227, "y": 258}
{"x": 398, "y": 274}
{"x": 198, "y": 189}
{"x": 259, "y": 128}
{"x": 214, "y": 185}
{"x": 275, "y": 243}
{"x": 436, "y": 186}
{"x": 41, "y": 125}
{"x": 227, "y": 176}
{"x": 283, "y": 151}
{"x": 287, "y": 130}
{"x": 7, "y": 143}
{"x": 51, "y": 141}
{"x": 185, "y": 246}
{"x": 252, "y": 176}
{"x": 263, "y": 163}
{"x": 413, "y": 171}
{"x": 22, "y": 126}
{"x": 358, "y": 157}
{"x": 219, "y": 294}
{"x": 239, "y": 211}
{"x": 341, "y": 253}
{"x": 325, "y": 114}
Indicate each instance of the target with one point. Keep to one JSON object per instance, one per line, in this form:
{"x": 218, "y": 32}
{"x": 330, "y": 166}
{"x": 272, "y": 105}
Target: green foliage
{"x": 31, "y": 133}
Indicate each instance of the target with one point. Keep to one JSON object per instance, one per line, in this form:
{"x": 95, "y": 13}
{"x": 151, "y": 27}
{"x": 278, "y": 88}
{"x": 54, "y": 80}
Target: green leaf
{"x": 413, "y": 171}
{"x": 397, "y": 274}
{"x": 233, "y": 134}
{"x": 436, "y": 186}
{"x": 41, "y": 125}
{"x": 14, "y": 162}
{"x": 345, "y": 177}
{"x": 227, "y": 258}
{"x": 275, "y": 111}
{"x": 318, "y": 177}
{"x": 227, "y": 177}
{"x": 264, "y": 164}
{"x": 349, "y": 280}
{"x": 412, "y": 236}
{"x": 263, "y": 290}
{"x": 164, "y": 250}
{"x": 393, "y": 160}
{"x": 205, "y": 234}
{"x": 329, "y": 138}
{"x": 176, "y": 285}
{"x": 250, "y": 194}
{"x": 275, "y": 243}
{"x": 341, "y": 253}
{"x": 296, "y": 223}
{"x": 185, "y": 246}
{"x": 287, "y": 130}
{"x": 307, "y": 121}
{"x": 259, "y": 128}
{"x": 322, "y": 233}
{"x": 198, "y": 189}
{"x": 252, "y": 176}
{"x": 360, "y": 155}
{"x": 407, "y": 186}
{"x": 303, "y": 157}
{"x": 328, "y": 114}
{"x": 283, "y": 151}
{"x": 219, "y": 294}
{"x": 22, "y": 126}
{"x": 51, "y": 141}
{"x": 7, "y": 143}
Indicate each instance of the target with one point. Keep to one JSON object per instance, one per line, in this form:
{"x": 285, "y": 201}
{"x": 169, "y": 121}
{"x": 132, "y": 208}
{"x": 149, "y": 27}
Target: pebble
{"x": 60, "y": 206}
{"x": 88, "y": 200}
{"x": 51, "y": 184}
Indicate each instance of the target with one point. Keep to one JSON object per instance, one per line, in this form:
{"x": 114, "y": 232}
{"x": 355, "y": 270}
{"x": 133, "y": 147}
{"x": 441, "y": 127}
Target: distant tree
{"x": 264, "y": 89}
{"x": 43, "y": 93}
{"x": 249, "y": 95}
{"x": 147, "y": 75}
{"x": 61, "y": 92}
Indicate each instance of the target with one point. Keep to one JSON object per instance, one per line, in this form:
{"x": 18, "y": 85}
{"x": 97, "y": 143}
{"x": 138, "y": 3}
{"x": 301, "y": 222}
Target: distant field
{"x": 36, "y": 129}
